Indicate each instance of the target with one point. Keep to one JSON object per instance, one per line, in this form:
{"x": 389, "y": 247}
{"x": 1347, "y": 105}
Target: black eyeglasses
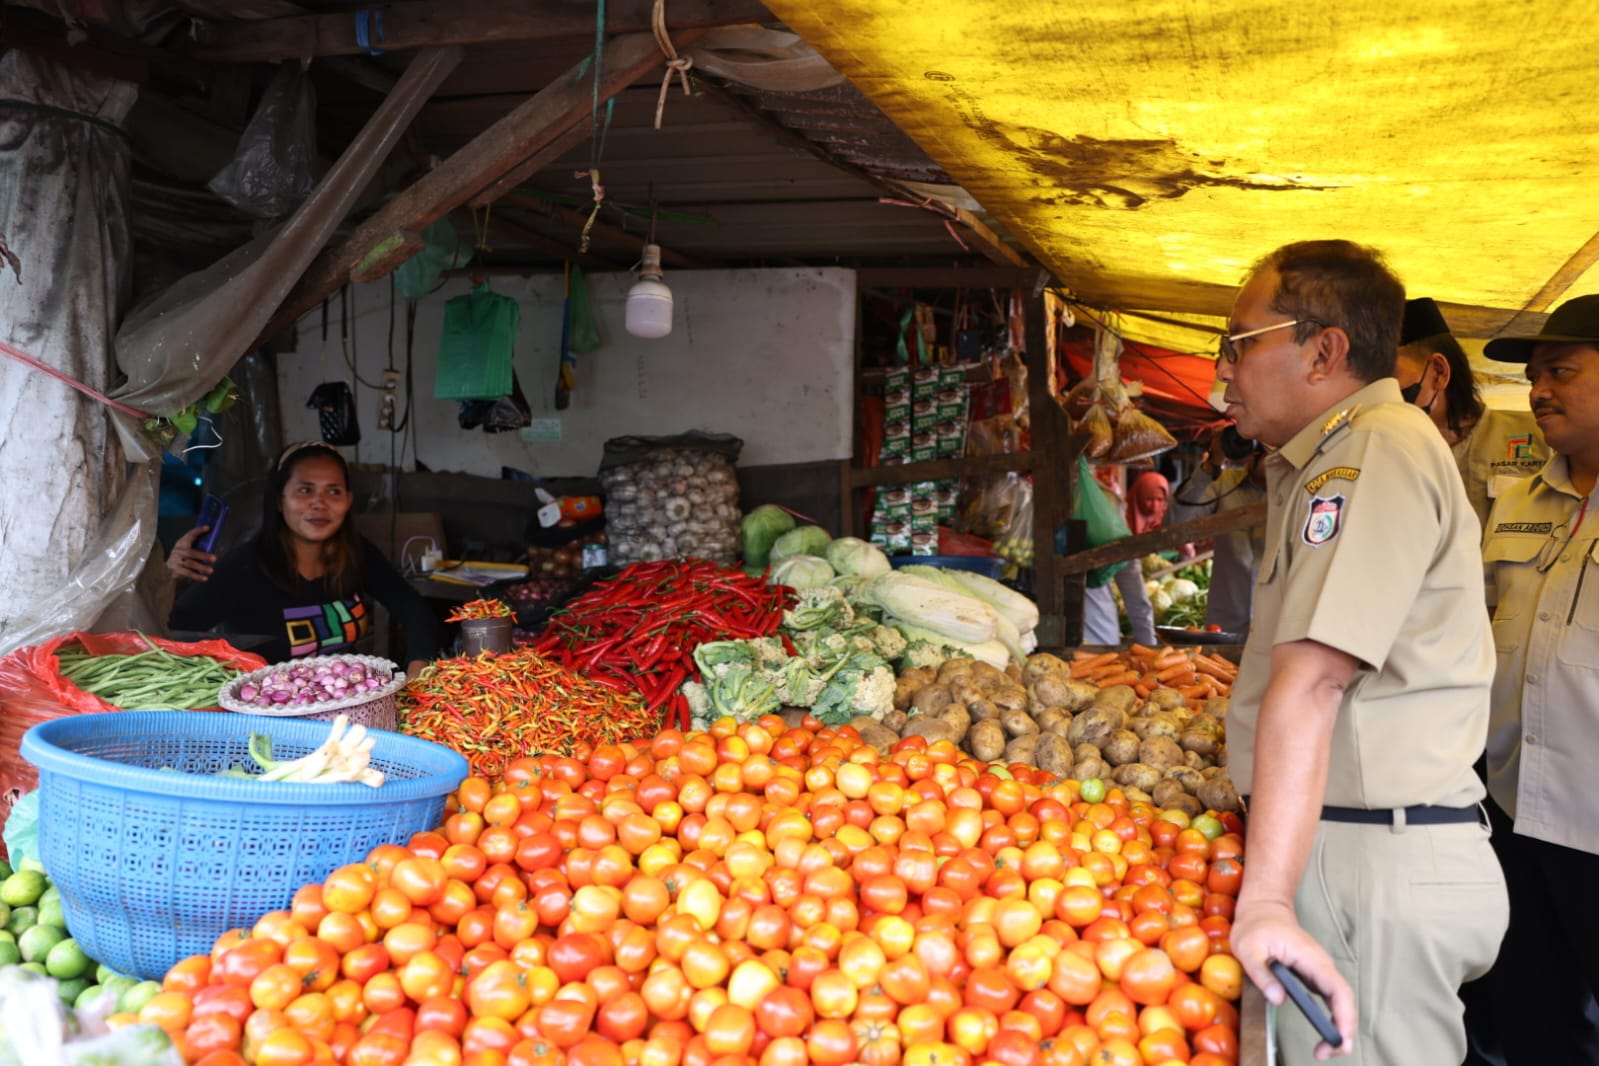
{"x": 1227, "y": 350}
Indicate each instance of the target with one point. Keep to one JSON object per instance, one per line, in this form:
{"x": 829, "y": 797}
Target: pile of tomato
{"x": 752, "y": 896}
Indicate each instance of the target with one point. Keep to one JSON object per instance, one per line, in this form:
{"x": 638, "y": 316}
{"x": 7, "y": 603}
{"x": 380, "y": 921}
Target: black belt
{"x": 1422, "y": 815}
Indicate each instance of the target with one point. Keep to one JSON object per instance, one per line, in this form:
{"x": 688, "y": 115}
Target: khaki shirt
{"x": 1503, "y": 447}
{"x": 1371, "y": 548}
{"x": 1545, "y": 729}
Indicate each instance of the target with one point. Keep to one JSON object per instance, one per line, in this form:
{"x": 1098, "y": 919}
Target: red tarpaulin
{"x": 1175, "y": 384}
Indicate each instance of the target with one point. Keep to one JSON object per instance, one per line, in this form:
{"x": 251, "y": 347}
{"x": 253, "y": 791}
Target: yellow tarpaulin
{"x": 1148, "y": 152}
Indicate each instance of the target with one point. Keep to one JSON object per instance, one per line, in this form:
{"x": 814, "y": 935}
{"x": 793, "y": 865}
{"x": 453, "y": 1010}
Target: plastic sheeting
{"x": 88, "y": 530}
{"x": 1148, "y": 153}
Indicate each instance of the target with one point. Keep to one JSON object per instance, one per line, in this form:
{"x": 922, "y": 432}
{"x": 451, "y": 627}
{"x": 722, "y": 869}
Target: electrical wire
{"x": 347, "y": 339}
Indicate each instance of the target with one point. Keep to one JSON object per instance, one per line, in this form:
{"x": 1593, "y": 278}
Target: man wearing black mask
{"x": 1494, "y": 448}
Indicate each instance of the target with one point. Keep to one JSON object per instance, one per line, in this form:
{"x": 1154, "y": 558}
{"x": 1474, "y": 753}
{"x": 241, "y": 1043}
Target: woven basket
{"x": 374, "y": 709}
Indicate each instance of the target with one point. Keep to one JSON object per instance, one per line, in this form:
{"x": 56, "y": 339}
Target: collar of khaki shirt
{"x": 1303, "y": 446}
{"x": 1556, "y": 475}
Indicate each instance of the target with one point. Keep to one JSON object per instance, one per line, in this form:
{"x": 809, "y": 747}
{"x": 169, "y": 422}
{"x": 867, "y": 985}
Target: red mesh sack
{"x": 32, "y": 690}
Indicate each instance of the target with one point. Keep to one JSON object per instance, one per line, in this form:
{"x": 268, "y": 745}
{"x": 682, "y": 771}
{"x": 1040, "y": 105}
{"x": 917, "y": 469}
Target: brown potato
{"x": 981, "y": 710}
{"x": 926, "y": 675}
{"x": 1088, "y": 768}
{"x": 1218, "y": 794}
{"x": 1013, "y": 670}
{"x": 1165, "y": 699}
{"x": 1047, "y": 718}
{"x": 1051, "y": 690}
{"x": 1159, "y": 724}
{"x": 1043, "y": 664}
{"x": 986, "y": 741}
{"x": 1199, "y": 743}
{"x": 952, "y": 669}
{"x": 1221, "y": 756}
{"x": 1166, "y": 791}
{"x": 1138, "y": 775}
{"x": 1086, "y": 751}
{"x": 962, "y": 689}
{"x": 1211, "y": 771}
{"x": 1095, "y": 725}
{"x": 1009, "y": 698}
{"x": 1160, "y": 752}
{"x": 1216, "y": 707}
{"x": 1022, "y": 749}
{"x": 988, "y": 677}
{"x": 955, "y": 714}
{"x": 932, "y": 728}
{"x": 930, "y": 699}
{"x": 1118, "y": 697}
{"x": 1018, "y": 723}
{"x": 1195, "y": 760}
{"x": 895, "y": 720}
{"x": 1083, "y": 695}
{"x": 1053, "y": 755}
{"x": 1187, "y": 804}
{"x": 1121, "y": 747}
{"x": 878, "y": 736}
{"x": 905, "y": 689}
{"x": 1187, "y": 777}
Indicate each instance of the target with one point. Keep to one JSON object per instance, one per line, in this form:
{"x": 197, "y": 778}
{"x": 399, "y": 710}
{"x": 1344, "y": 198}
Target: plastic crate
{"x": 154, "y": 865}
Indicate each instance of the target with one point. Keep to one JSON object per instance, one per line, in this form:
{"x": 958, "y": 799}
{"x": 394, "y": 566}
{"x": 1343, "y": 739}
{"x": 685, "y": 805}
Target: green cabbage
{"x": 759, "y": 531}
{"x": 801, "y": 572}
{"x": 806, "y": 540}
{"x": 854, "y": 557}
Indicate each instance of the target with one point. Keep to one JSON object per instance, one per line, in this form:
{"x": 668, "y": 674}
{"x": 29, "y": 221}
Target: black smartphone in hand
{"x": 1307, "y": 1005}
{"x": 213, "y": 512}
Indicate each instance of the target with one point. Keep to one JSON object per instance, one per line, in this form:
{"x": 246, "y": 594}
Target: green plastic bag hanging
{"x": 475, "y": 349}
{"x": 1105, "y": 522}
{"x": 442, "y": 249}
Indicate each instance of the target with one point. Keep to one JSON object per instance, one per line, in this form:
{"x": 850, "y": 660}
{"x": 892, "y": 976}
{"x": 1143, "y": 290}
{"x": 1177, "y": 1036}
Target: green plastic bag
{"x": 22, "y": 829}
{"x": 1105, "y": 521}
{"x": 475, "y": 350}
{"x": 442, "y": 250}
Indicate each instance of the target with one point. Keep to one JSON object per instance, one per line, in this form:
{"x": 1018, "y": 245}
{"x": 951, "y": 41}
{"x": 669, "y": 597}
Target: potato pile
{"x": 1164, "y": 749}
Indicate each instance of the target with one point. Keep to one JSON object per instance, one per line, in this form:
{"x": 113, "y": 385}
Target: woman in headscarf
{"x": 1147, "y": 499}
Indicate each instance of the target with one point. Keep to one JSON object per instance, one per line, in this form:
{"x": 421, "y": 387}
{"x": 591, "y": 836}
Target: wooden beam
{"x": 988, "y": 243}
{"x": 604, "y": 231}
{"x": 531, "y": 125}
{"x": 1570, "y": 272}
{"x": 1050, "y": 499}
{"x": 939, "y": 469}
{"x": 974, "y": 277}
{"x": 534, "y": 164}
{"x": 1136, "y": 547}
{"x": 383, "y": 260}
{"x": 42, "y": 36}
{"x": 401, "y": 27}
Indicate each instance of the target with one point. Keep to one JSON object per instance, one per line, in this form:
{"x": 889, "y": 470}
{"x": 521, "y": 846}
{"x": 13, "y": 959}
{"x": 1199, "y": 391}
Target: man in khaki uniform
{"x": 1362, "y": 698}
{"x": 1494, "y": 449}
{"x": 1541, "y": 550}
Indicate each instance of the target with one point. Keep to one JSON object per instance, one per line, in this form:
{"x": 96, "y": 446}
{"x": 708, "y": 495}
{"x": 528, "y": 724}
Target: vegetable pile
{"x": 496, "y": 708}
{"x": 156, "y": 678}
{"x": 316, "y": 680}
{"x": 1179, "y": 599}
{"x": 345, "y": 757}
{"x": 636, "y": 633}
{"x": 819, "y": 904}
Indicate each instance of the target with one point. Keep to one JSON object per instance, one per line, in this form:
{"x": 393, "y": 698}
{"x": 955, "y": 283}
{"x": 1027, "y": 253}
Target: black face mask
{"x": 1411, "y": 392}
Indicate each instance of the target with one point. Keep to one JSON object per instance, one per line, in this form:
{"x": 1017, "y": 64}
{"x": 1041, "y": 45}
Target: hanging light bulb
{"x": 649, "y": 301}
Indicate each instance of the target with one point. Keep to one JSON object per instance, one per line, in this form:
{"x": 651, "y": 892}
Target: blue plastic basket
{"x": 987, "y": 565}
{"x": 153, "y": 865}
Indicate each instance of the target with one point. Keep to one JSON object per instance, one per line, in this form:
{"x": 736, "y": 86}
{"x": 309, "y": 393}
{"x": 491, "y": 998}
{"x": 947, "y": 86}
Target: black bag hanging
{"x": 335, "y": 411}
{"x": 497, "y": 416}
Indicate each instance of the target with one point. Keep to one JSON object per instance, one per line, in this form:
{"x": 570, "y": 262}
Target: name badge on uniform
{"x": 1325, "y": 519}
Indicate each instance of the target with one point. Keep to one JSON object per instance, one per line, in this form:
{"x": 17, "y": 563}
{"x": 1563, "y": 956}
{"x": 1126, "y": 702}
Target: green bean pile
{"x": 149, "y": 680}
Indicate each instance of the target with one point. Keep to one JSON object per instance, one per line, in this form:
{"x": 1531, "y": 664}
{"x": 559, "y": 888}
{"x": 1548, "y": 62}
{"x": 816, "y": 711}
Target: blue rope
{"x": 599, "y": 63}
{"x": 363, "y": 37}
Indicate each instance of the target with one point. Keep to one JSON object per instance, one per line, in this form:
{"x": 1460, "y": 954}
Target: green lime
{"x": 1092, "y": 790}
{"x": 71, "y": 989}
{"x": 22, "y": 918}
{"x": 51, "y": 914}
{"x": 136, "y": 996}
{"x": 103, "y": 974}
{"x": 34, "y": 967}
{"x": 51, "y": 894}
{"x": 32, "y": 864}
{"x": 10, "y": 954}
{"x": 118, "y": 983}
{"x": 36, "y": 942}
{"x": 23, "y": 887}
{"x": 8, "y": 936}
{"x": 87, "y": 997}
{"x": 5, "y": 870}
{"x": 67, "y": 961}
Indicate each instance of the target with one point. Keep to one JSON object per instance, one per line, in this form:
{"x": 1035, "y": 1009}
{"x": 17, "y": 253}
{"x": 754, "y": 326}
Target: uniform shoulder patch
{"x": 1339, "y": 420}
{"x": 1341, "y": 473}
{"x": 1324, "y": 520}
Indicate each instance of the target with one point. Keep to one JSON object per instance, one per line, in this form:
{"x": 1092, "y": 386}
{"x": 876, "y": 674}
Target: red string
{"x": 24, "y": 357}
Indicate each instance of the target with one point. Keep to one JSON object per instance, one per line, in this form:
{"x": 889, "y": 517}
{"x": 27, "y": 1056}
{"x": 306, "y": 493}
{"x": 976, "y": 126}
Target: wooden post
{"x": 1049, "y": 449}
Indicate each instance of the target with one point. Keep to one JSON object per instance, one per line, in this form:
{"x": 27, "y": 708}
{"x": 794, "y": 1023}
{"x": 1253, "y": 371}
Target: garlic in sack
{"x": 673, "y": 503}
